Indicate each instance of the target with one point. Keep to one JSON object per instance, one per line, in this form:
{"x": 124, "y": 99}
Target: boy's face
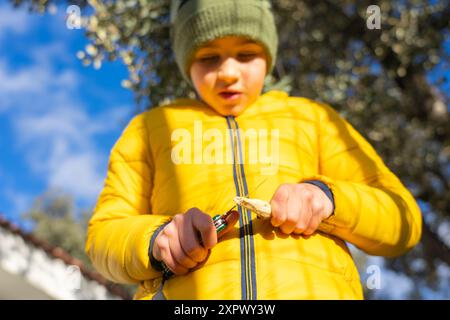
{"x": 225, "y": 65}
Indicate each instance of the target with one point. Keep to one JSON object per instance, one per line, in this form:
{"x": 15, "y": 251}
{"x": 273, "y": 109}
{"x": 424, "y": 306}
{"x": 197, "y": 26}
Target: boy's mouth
{"x": 230, "y": 95}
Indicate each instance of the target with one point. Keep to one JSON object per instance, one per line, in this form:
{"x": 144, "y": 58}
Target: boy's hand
{"x": 186, "y": 240}
{"x": 299, "y": 208}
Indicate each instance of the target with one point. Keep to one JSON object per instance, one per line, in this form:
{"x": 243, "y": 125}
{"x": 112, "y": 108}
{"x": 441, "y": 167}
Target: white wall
{"x": 28, "y": 272}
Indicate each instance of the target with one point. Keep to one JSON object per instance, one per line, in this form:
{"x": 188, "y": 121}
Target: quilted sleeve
{"x": 373, "y": 209}
{"x": 122, "y": 224}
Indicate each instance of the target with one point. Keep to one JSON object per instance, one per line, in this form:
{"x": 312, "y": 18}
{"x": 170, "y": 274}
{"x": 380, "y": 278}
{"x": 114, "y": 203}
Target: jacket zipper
{"x": 248, "y": 275}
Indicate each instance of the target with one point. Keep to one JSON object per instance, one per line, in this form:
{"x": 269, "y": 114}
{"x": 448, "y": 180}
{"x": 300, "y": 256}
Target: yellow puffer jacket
{"x": 163, "y": 165}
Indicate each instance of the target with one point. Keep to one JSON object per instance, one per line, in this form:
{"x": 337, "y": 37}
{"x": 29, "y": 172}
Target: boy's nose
{"x": 228, "y": 70}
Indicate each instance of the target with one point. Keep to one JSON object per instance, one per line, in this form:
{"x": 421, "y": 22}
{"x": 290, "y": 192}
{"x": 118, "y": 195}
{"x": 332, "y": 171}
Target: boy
{"x": 176, "y": 166}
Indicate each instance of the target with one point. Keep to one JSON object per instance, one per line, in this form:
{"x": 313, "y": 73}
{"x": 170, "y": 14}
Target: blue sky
{"x": 58, "y": 119}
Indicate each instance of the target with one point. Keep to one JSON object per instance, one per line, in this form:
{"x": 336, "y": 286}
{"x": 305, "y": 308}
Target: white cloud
{"x": 59, "y": 122}
{"x": 14, "y": 21}
{"x": 78, "y": 174}
{"x": 110, "y": 119}
{"x": 59, "y": 144}
{"x": 28, "y": 87}
{"x": 45, "y": 55}
{"x": 53, "y": 129}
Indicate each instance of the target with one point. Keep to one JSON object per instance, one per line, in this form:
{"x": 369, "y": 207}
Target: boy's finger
{"x": 278, "y": 206}
{"x": 173, "y": 265}
{"x": 204, "y": 224}
{"x": 191, "y": 244}
{"x": 201, "y": 264}
{"x": 313, "y": 225}
{"x": 305, "y": 218}
{"x": 178, "y": 253}
{"x": 160, "y": 242}
{"x": 293, "y": 215}
{"x": 166, "y": 256}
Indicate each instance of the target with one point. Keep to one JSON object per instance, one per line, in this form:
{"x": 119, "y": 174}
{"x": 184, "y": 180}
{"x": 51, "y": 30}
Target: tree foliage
{"x": 54, "y": 219}
{"x": 390, "y": 83}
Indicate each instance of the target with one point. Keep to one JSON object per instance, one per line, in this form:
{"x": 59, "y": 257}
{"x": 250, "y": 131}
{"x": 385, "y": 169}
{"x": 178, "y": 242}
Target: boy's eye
{"x": 241, "y": 56}
{"x": 208, "y": 58}
{"x": 247, "y": 55}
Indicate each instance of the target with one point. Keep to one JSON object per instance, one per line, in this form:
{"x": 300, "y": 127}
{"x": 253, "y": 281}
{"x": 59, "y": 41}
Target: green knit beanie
{"x": 195, "y": 22}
